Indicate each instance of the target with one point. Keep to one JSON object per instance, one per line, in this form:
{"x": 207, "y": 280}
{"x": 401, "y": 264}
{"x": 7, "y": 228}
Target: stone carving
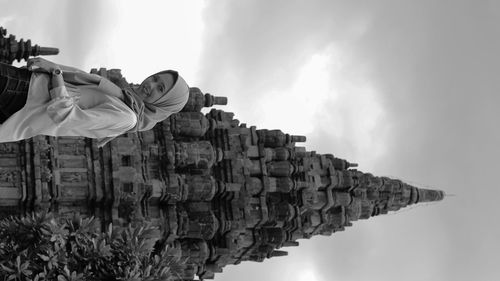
{"x": 9, "y": 176}
{"x": 7, "y": 148}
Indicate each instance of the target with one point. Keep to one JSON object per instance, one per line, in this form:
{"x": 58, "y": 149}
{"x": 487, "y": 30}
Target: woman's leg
{"x": 14, "y": 85}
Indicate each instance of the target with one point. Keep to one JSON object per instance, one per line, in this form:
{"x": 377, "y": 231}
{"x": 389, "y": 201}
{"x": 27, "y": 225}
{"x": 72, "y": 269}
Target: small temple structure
{"x": 222, "y": 191}
{"x": 11, "y": 49}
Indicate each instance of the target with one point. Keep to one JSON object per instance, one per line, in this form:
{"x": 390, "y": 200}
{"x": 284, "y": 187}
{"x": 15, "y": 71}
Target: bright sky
{"x": 407, "y": 89}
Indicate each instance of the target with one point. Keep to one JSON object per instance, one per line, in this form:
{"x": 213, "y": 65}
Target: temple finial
{"x": 429, "y": 195}
{"x": 11, "y": 49}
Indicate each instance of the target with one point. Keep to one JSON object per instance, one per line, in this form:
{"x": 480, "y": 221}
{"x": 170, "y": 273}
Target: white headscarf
{"x": 148, "y": 114}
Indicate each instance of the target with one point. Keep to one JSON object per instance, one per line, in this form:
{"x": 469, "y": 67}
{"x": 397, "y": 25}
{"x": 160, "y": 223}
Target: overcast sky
{"x": 407, "y": 89}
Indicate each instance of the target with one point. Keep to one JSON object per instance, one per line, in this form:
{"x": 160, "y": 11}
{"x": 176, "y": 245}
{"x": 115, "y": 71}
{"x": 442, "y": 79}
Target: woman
{"x": 56, "y": 100}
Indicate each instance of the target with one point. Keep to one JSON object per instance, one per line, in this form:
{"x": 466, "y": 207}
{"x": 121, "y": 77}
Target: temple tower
{"x": 221, "y": 191}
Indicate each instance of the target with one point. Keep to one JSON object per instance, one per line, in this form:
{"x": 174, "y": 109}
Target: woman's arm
{"x": 39, "y": 63}
{"x": 43, "y": 65}
{"x": 57, "y": 81}
{"x": 103, "y": 120}
{"x": 57, "y": 87}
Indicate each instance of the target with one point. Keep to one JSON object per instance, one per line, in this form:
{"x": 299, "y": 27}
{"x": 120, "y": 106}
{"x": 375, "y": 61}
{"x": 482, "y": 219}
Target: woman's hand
{"x": 41, "y": 65}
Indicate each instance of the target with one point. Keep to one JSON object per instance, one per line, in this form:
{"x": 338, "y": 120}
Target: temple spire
{"x": 11, "y": 49}
{"x": 221, "y": 192}
{"x": 429, "y": 195}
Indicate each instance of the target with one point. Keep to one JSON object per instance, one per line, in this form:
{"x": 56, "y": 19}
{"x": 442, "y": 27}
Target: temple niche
{"x": 222, "y": 191}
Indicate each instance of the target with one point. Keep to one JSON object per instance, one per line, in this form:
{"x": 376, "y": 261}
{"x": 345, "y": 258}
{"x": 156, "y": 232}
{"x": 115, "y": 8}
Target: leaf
{"x": 25, "y": 266}
{"x": 66, "y": 270}
{"x": 10, "y": 270}
{"x": 45, "y": 232}
{"x": 147, "y": 271}
{"x": 164, "y": 271}
{"x": 61, "y": 278}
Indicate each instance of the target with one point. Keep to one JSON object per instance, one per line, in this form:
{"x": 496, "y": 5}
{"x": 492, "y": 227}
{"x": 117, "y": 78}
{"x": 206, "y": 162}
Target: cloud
{"x": 75, "y": 27}
{"x": 262, "y": 45}
{"x": 84, "y": 26}
{"x": 417, "y": 58}
{"x": 272, "y": 56}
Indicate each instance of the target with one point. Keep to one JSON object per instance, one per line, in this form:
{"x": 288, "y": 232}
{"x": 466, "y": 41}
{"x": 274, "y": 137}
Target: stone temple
{"x": 224, "y": 192}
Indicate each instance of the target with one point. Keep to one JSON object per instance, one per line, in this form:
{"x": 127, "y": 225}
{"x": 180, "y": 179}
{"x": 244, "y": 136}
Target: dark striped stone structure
{"x": 12, "y": 49}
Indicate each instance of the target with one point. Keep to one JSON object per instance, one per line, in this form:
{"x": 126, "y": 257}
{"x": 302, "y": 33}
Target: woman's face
{"x": 155, "y": 86}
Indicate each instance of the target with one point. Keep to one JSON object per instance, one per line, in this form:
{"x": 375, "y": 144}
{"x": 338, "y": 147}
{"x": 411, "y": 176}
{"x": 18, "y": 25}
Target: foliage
{"x": 43, "y": 247}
